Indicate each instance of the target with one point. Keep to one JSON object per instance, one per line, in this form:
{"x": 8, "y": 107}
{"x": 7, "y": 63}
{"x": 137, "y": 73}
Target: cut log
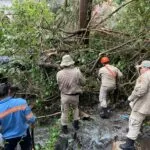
{"x": 83, "y": 115}
{"x": 51, "y": 115}
{"x": 116, "y": 144}
{"x": 49, "y": 65}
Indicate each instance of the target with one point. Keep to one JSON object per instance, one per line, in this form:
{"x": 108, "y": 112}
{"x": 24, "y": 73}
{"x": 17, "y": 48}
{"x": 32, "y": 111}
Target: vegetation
{"x": 54, "y": 134}
{"x": 37, "y": 33}
{"x": 34, "y": 33}
{"x": 24, "y": 38}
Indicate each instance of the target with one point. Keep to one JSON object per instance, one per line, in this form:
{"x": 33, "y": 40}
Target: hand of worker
{"x": 32, "y": 126}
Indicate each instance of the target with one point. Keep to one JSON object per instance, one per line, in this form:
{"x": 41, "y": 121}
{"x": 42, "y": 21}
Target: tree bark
{"x": 84, "y": 18}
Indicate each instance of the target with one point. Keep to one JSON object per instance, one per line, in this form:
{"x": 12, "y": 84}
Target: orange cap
{"x": 104, "y": 60}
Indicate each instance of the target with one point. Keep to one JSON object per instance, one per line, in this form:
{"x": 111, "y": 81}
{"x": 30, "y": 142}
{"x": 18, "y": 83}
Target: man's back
{"x": 70, "y": 80}
{"x": 108, "y": 75}
{"x": 14, "y": 115}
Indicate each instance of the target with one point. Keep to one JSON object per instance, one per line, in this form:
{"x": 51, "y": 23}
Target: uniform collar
{"x": 5, "y": 99}
{"x": 67, "y": 68}
{"x": 107, "y": 65}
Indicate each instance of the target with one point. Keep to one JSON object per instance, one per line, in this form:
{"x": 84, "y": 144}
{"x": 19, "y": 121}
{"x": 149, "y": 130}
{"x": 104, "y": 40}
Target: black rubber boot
{"x": 65, "y": 129}
{"x": 129, "y": 145}
{"x": 104, "y": 113}
{"x": 76, "y": 124}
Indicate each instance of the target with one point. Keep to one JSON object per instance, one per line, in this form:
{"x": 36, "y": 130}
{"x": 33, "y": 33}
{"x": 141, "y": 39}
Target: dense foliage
{"x": 30, "y": 29}
{"x": 24, "y": 37}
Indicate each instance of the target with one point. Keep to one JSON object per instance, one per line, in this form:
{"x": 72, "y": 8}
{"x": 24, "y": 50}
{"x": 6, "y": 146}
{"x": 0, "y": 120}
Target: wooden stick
{"x": 51, "y": 115}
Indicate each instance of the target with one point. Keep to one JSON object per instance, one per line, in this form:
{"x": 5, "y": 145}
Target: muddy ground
{"x": 97, "y": 134}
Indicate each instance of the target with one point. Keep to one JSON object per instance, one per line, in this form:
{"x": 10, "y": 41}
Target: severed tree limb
{"x": 82, "y": 114}
{"x": 109, "y": 31}
{"x": 51, "y": 115}
{"x": 48, "y": 65}
{"x": 117, "y": 47}
{"x": 74, "y": 32}
{"x": 112, "y": 13}
{"x": 102, "y": 30}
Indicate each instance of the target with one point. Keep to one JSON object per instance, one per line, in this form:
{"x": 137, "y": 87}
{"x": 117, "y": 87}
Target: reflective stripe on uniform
{"x": 12, "y": 110}
{"x": 30, "y": 115}
{"x": 111, "y": 72}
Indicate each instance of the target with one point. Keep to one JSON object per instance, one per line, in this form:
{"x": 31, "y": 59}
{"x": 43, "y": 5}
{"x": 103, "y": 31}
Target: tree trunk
{"x": 65, "y": 3}
{"x": 84, "y": 18}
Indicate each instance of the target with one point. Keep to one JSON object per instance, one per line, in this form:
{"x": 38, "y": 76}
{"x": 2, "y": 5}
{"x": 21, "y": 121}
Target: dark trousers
{"x": 24, "y": 142}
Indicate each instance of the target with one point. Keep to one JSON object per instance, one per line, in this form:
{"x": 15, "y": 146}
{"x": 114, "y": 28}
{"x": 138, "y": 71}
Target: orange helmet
{"x": 104, "y": 60}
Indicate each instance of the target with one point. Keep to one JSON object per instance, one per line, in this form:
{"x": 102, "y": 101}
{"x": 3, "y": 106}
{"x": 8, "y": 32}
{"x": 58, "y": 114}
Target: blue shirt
{"x": 15, "y": 116}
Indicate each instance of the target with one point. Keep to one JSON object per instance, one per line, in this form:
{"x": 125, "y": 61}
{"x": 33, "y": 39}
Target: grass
{"x": 54, "y": 134}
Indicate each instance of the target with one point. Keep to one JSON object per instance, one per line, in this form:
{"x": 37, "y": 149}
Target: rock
{"x": 62, "y": 143}
{"x": 4, "y": 59}
{"x": 1, "y": 142}
{"x": 41, "y": 136}
{"x": 99, "y": 134}
{"x": 96, "y": 134}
